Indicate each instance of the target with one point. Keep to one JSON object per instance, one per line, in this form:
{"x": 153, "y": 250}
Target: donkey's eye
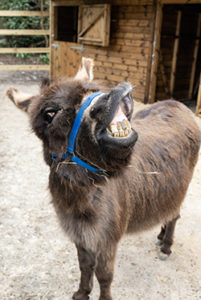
{"x": 49, "y": 115}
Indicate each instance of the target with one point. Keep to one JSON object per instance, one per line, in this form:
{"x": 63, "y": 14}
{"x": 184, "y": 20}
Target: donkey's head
{"x": 85, "y": 129}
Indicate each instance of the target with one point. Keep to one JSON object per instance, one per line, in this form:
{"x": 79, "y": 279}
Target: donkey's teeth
{"x": 126, "y": 132}
{"x": 127, "y": 124}
{"x": 124, "y": 126}
{"x": 121, "y": 133}
{"x": 113, "y": 128}
{"x": 119, "y": 126}
{"x": 119, "y": 129}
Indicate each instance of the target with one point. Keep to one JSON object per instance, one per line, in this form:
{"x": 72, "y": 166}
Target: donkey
{"x": 111, "y": 173}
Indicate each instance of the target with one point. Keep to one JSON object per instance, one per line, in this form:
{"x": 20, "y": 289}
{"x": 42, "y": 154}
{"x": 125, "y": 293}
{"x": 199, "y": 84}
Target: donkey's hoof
{"x": 163, "y": 256}
{"x": 80, "y": 296}
{"x": 105, "y": 298}
{"x": 158, "y": 243}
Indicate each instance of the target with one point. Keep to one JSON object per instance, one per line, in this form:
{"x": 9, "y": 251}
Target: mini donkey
{"x": 111, "y": 173}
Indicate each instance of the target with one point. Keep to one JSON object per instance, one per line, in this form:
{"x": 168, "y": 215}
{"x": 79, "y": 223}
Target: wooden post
{"x": 53, "y": 34}
{"x": 195, "y": 54}
{"x": 42, "y": 21}
{"x": 163, "y": 76}
{"x": 155, "y": 54}
{"x": 175, "y": 53}
{"x": 198, "y": 107}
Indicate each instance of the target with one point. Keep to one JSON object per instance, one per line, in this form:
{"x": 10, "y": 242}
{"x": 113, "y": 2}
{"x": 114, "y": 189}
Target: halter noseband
{"x": 72, "y": 139}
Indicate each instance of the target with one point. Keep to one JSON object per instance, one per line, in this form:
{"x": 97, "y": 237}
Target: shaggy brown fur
{"x": 147, "y": 177}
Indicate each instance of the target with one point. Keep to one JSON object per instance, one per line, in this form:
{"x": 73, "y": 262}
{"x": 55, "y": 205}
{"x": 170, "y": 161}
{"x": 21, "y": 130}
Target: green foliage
{"x": 24, "y": 22}
{"x": 45, "y": 58}
{"x": 23, "y": 55}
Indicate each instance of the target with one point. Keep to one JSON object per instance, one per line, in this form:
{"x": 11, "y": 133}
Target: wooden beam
{"x": 42, "y": 22}
{"x": 24, "y": 32}
{"x": 23, "y": 13}
{"x": 163, "y": 76}
{"x": 175, "y": 52}
{"x": 198, "y": 107}
{"x": 24, "y": 67}
{"x": 150, "y": 41}
{"x": 91, "y": 2}
{"x": 53, "y": 35}
{"x": 195, "y": 55}
{"x": 180, "y": 1}
{"x": 155, "y": 54}
{"x": 89, "y": 39}
{"x": 107, "y": 21}
{"x": 24, "y": 50}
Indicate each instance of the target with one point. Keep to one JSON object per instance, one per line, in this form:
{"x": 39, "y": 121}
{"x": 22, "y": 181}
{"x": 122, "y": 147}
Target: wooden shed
{"x": 154, "y": 44}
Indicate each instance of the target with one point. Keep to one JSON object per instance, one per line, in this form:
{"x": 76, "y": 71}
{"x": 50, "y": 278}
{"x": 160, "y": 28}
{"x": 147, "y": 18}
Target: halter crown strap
{"x": 77, "y": 122}
{"x": 72, "y": 138}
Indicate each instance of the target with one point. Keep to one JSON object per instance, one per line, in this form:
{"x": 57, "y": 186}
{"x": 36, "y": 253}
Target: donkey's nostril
{"x": 127, "y": 104}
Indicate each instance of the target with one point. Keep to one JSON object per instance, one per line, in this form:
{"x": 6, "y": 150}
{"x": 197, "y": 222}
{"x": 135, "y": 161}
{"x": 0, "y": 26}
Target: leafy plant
{"x": 45, "y": 58}
{"x": 23, "y": 55}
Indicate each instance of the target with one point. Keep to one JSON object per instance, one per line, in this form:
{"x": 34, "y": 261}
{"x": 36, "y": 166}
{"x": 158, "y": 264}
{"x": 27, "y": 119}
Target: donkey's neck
{"x": 68, "y": 195}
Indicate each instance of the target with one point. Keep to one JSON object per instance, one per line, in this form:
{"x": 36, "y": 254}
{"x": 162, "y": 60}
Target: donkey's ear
{"x": 45, "y": 83}
{"x": 85, "y": 71}
{"x": 20, "y": 99}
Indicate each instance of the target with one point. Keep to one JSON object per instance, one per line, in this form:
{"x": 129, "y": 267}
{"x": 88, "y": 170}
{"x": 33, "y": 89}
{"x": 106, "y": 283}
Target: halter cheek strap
{"x": 72, "y": 140}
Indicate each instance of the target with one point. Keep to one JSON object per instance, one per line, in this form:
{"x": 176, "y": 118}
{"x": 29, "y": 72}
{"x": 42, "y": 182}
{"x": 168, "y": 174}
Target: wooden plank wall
{"x": 127, "y": 57}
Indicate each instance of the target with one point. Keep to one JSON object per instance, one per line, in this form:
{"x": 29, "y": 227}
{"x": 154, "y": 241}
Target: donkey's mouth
{"x": 120, "y": 125}
{"x": 116, "y": 132}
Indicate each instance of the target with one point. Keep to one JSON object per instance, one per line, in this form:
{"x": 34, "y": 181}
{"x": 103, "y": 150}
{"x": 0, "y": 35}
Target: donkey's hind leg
{"x": 161, "y": 235}
{"x": 166, "y": 236}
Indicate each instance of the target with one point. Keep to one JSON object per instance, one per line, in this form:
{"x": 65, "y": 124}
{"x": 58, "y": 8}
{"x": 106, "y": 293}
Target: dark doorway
{"x": 67, "y": 23}
{"x": 180, "y": 59}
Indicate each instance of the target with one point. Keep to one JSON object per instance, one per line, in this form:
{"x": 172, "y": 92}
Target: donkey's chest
{"x": 80, "y": 229}
{"x": 81, "y": 225}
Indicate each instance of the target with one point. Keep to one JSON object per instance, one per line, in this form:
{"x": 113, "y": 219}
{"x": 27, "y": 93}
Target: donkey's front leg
{"x": 104, "y": 271}
{"x": 87, "y": 262}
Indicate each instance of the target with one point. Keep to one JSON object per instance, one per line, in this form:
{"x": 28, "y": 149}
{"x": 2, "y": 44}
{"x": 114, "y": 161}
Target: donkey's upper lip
{"x": 122, "y": 89}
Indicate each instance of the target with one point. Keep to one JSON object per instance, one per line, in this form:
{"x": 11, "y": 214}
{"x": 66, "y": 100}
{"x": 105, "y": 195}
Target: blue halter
{"x": 72, "y": 139}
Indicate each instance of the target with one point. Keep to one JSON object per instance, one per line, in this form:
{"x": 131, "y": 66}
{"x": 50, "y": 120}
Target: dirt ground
{"x": 37, "y": 261}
